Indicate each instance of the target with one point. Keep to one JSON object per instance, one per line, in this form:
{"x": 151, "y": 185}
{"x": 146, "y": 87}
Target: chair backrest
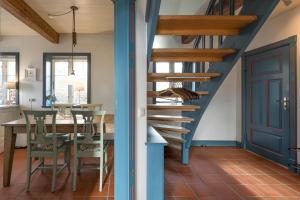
{"x": 90, "y": 120}
{"x": 93, "y": 107}
{"x": 63, "y": 108}
{"x": 36, "y": 126}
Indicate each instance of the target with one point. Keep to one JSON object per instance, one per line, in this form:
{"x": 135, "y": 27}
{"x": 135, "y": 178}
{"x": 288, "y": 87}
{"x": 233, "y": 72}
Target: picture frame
{"x": 30, "y": 74}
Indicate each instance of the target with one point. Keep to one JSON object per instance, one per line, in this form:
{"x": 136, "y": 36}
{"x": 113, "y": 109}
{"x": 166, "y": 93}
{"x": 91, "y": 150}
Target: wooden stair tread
{"x": 202, "y": 25}
{"x": 172, "y": 107}
{"x": 170, "y": 128}
{"x": 170, "y": 118}
{"x": 190, "y": 55}
{"x": 171, "y": 138}
{"x": 155, "y": 94}
{"x": 182, "y": 77}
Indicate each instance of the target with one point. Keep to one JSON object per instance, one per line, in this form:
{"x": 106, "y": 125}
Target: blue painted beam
{"x": 124, "y": 71}
{"x": 152, "y": 16}
{"x": 261, "y": 9}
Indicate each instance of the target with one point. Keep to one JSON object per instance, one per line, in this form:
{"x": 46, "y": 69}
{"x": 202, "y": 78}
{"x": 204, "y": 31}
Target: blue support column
{"x": 185, "y": 150}
{"x": 124, "y": 70}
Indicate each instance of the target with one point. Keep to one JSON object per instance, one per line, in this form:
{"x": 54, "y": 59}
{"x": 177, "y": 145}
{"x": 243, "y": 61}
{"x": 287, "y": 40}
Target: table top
{"x": 108, "y": 119}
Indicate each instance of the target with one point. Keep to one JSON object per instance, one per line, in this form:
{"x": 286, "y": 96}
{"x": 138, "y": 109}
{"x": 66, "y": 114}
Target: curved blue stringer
{"x": 261, "y": 9}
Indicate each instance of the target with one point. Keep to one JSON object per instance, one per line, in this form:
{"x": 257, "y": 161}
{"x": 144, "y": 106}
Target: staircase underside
{"x": 239, "y": 32}
{"x": 262, "y": 9}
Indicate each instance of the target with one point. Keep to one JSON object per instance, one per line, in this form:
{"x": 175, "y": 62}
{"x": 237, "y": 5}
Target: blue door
{"x": 267, "y": 102}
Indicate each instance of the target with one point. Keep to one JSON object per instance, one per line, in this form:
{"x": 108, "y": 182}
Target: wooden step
{"x": 170, "y": 128}
{"x": 171, "y": 138}
{"x": 190, "y": 55}
{"x": 170, "y": 118}
{"x": 155, "y": 94}
{"x": 202, "y": 25}
{"x": 181, "y": 77}
{"x": 159, "y": 107}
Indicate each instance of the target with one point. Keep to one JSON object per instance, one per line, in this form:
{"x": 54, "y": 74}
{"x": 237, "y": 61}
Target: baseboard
{"x": 215, "y": 143}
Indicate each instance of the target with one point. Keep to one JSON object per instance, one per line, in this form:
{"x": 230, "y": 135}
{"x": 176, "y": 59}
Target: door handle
{"x": 285, "y": 103}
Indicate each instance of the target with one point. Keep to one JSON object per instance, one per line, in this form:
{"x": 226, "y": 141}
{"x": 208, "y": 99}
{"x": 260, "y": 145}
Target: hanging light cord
{"x": 60, "y": 14}
{"x": 74, "y": 37}
{"x": 74, "y": 34}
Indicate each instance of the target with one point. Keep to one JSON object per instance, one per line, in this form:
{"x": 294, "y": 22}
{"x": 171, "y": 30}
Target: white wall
{"x": 31, "y": 50}
{"x": 141, "y": 101}
{"x": 220, "y": 118}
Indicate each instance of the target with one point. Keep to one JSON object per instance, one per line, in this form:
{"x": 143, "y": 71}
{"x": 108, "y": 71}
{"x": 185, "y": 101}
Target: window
{"x": 9, "y": 78}
{"x": 166, "y": 67}
{"x": 58, "y": 81}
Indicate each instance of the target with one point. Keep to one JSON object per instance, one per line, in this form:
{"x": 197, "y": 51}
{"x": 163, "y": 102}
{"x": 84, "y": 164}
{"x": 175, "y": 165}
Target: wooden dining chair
{"x": 63, "y": 109}
{"x": 93, "y": 107}
{"x": 43, "y": 141}
{"x": 87, "y": 143}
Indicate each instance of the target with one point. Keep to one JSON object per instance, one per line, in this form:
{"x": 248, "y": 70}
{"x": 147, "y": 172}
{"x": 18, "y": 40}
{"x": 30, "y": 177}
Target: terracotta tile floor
{"x": 88, "y": 182}
{"x": 213, "y": 173}
{"x": 227, "y": 174}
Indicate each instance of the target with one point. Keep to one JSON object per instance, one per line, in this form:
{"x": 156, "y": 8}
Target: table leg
{"x": 9, "y": 148}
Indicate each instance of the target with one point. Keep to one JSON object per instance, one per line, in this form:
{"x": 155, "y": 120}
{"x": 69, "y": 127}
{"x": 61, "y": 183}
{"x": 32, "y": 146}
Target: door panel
{"x": 267, "y": 121}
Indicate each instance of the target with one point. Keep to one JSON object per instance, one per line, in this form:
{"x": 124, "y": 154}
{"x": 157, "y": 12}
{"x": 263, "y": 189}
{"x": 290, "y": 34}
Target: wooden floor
{"x": 88, "y": 183}
{"x": 213, "y": 174}
{"x": 227, "y": 174}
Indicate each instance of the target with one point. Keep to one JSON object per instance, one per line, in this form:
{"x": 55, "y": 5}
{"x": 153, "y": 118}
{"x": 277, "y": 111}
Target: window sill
{"x": 2, "y": 107}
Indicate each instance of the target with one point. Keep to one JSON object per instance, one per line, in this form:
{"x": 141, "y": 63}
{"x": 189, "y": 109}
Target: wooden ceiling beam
{"x": 22, "y": 11}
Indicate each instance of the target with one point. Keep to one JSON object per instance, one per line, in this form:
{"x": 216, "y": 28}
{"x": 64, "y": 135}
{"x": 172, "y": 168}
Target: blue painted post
{"x": 185, "y": 153}
{"x": 124, "y": 70}
{"x": 152, "y": 19}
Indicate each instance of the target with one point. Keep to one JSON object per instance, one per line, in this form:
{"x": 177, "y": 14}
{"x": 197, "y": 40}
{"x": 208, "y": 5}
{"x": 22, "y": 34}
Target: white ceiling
{"x": 93, "y": 16}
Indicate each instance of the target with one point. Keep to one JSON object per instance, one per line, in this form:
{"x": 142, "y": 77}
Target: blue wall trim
{"x": 215, "y": 143}
{"x": 262, "y": 9}
{"x": 124, "y": 71}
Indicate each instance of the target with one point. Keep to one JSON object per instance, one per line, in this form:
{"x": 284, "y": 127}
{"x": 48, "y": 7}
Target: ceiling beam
{"x": 22, "y": 11}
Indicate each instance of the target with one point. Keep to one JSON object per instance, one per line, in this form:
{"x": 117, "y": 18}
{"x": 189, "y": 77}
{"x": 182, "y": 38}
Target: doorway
{"x": 269, "y": 101}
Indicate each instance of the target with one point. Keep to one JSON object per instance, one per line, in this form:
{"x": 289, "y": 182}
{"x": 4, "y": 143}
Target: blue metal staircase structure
{"x": 259, "y": 8}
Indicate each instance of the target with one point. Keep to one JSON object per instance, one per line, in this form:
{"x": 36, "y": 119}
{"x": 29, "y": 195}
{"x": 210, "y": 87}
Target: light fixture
{"x": 73, "y": 9}
{"x": 74, "y": 37}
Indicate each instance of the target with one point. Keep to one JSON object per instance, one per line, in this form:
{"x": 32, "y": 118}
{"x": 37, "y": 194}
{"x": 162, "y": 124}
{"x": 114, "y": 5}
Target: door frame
{"x": 292, "y": 43}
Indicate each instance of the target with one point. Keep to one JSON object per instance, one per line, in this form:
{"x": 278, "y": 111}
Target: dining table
{"x": 63, "y": 126}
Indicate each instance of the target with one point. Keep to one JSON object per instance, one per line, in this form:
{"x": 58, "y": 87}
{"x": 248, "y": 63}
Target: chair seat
{"x": 47, "y": 147}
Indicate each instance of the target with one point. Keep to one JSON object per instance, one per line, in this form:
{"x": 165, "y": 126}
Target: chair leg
{"x": 74, "y": 187}
{"x": 42, "y": 161}
{"x": 101, "y": 173}
{"x": 67, "y": 156}
{"x": 78, "y": 165}
{"x": 28, "y": 176}
{"x": 54, "y": 173}
{"x": 106, "y": 161}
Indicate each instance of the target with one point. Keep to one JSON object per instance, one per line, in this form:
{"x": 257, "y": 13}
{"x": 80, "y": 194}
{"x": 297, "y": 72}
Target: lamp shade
{"x": 11, "y": 85}
{"x": 79, "y": 86}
